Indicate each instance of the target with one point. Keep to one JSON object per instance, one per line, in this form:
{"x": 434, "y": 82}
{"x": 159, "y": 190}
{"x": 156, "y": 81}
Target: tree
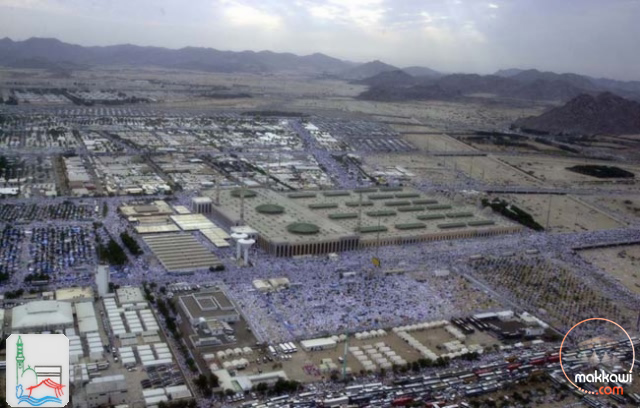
{"x": 262, "y": 388}
{"x": 214, "y": 382}
{"x": 192, "y": 364}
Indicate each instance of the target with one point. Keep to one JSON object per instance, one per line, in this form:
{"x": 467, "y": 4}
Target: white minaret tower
{"x": 245, "y": 244}
{"x": 237, "y": 237}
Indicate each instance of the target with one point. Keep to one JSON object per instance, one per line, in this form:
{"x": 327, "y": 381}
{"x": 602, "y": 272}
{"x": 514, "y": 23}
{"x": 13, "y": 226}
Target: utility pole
{"x": 218, "y": 191}
{"x": 549, "y": 211}
{"x": 344, "y": 356}
{"x": 242, "y": 193}
{"x": 378, "y": 236}
{"x": 359, "y": 213}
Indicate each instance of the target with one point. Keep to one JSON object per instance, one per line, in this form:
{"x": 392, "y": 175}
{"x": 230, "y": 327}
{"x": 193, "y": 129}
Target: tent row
{"x": 370, "y": 334}
{"x": 236, "y": 364}
{"x": 455, "y": 332}
{"x": 236, "y": 352}
{"x": 421, "y": 326}
{"x": 421, "y": 348}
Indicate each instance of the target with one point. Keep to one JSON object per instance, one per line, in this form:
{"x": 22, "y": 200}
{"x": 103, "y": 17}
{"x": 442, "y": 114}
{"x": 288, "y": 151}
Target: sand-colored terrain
{"x": 568, "y": 213}
{"x": 435, "y": 143}
{"x": 552, "y": 171}
{"x": 623, "y": 263}
{"x": 624, "y": 206}
{"x": 492, "y": 171}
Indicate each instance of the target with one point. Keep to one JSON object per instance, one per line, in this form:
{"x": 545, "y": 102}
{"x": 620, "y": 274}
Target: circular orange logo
{"x": 578, "y": 324}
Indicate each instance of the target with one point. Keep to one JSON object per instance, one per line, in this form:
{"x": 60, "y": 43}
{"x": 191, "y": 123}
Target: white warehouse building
{"x": 42, "y": 315}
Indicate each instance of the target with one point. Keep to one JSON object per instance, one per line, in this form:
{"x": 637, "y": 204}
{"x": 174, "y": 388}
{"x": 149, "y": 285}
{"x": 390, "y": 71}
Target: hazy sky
{"x": 595, "y": 37}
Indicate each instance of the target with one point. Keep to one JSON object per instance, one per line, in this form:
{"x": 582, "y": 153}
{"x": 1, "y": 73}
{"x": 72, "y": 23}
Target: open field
{"x": 553, "y": 171}
{"x": 491, "y": 171}
{"x": 626, "y": 206}
{"x": 435, "y": 143}
{"x": 524, "y": 145}
{"x": 433, "y": 114}
{"x": 623, "y": 263}
{"x": 568, "y": 213}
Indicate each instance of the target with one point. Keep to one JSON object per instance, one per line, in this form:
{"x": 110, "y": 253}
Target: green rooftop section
{"x": 391, "y": 188}
{"x": 373, "y": 228}
{"x": 380, "y": 196}
{"x": 425, "y": 201}
{"x": 427, "y": 217}
{"x": 336, "y": 193}
{"x": 397, "y": 203}
{"x": 270, "y": 209}
{"x": 480, "y": 223}
{"x": 407, "y": 195}
{"x": 410, "y": 209}
{"x": 459, "y": 215}
{"x": 303, "y": 228}
{"x": 302, "y": 195}
{"x": 381, "y": 213}
{"x": 321, "y": 206}
{"x": 358, "y": 204}
{"x": 239, "y": 192}
{"x": 342, "y": 216}
{"x": 439, "y": 207}
{"x": 452, "y": 225}
{"x": 365, "y": 190}
{"x": 411, "y": 226}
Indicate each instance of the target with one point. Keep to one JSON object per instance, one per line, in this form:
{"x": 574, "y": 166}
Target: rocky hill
{"x": 367, "y": 70}
{"x": 604, "y": 113}
{"x": 417, "y": 71}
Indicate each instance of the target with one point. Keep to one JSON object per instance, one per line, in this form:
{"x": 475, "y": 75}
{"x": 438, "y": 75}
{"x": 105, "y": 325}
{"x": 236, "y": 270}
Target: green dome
{"x": 270, "y": 209}
{"x": 303, "y": 228}
{"x": 238, "y": 192}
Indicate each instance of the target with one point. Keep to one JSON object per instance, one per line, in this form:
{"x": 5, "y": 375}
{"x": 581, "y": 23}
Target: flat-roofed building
{"x": 322, "y": 222}
{"x": 181, "y": 253}
{"x": 154, "y": 208}
{"x": 208, "y": 304}
{"x": 74, "y": 294}
{"x": 201, "y": 205}
{"x": 86, "y": 315}
{"x": 106, "y": 391}
{"x": 208, "y": 312}
{"x": 42, "y": 315}
{"x": 129, "y": 294}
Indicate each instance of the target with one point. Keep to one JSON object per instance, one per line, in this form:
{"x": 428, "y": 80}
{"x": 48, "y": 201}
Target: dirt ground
{"x": 492, "y": 171}
{"x": 623, "y": 263}
{"x": 435, "y": 337}
{"x": 441, "y": 115}
{"x": 568, "y": 213}
{"x": 436, "y": 143}
{"x": 303, "y": 366}
{"x": 552, "y": 171}
{"x": 625, "y": 207}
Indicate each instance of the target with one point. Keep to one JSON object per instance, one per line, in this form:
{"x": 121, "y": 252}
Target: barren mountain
{"x": 604, "y": 113}
{"x": 422, "y": 72}
{"x": 367, "y": 70}
{"x": 51, "y": 52}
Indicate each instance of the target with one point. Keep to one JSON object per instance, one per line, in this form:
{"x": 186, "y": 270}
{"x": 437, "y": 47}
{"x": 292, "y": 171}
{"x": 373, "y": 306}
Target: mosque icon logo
{"x": 38, "y": 382}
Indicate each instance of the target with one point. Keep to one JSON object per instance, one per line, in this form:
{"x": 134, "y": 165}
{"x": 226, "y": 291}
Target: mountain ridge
{"x": 603, "y": 113}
